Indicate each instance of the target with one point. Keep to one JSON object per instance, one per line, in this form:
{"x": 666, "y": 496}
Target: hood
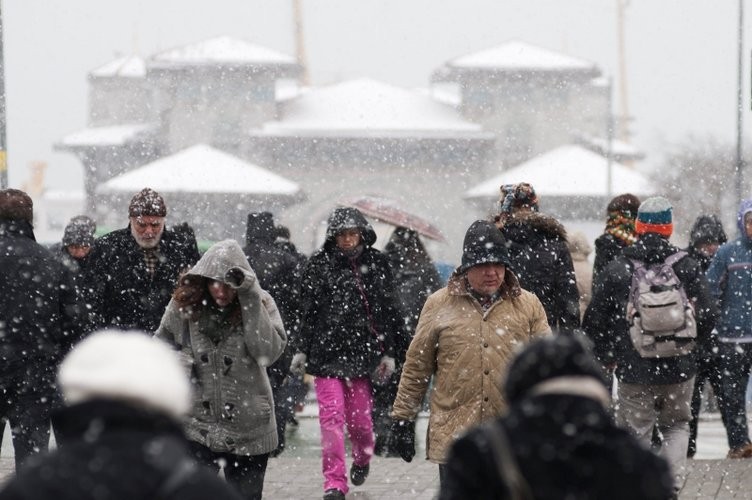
{"x": 744, "y": 207}
{"x": 651, "y": 248}
{"x": 348, "y": 218}
{"x": 220, "y": 258}
{"x": 260, "y": 228}
{"x": 521, "y": 226}
{"x": 483, "y": 244}
{"x": 707, "y": 229}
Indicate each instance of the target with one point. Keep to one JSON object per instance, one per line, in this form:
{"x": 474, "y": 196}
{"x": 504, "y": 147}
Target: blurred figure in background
{"x": 279, "y": 272}
{"x": 415, "y": 278}
{"x": 229, "y": 331}
{"x": 706, "y": 236}
{"x": 78, "y": 237}
{"x": 39, "y": 322}
{"x": 619, "y": 233}
{"x": 558, "y": 438}
{"x": 119, "y": 434}
{"x": 538, "y": 254}
{"x": 580, "y": 250}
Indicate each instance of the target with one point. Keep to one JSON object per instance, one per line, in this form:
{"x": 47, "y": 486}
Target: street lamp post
{"x": 739, "y": 107}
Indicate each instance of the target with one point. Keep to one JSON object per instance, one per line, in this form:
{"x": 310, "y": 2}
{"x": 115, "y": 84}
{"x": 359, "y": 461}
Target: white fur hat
{"x": 128, "y": 366}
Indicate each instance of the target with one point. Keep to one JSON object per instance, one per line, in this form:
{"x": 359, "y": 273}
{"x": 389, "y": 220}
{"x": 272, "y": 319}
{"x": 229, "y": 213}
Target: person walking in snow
{"x": 619, "y": 233}
{"x": 134, "y": 270}
{"x": 350, "y": 325}
{"x": 228, "y": 331}
{"x": 558, "y": 439}
{"x": 466, "y": 335}
{"x": 539, "y": 256}
{"x": 730, "y": 277}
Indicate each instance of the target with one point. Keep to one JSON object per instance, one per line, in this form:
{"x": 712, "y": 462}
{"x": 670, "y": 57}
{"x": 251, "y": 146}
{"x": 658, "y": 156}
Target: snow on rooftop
{"x": 367, "y": 106}
{"x": 223, "y": 50}
{"x": 115, "y": 135}
{"x": 567, "y": 171}
{"x": 618, "y": 147}
{"x": 517, "y": 55}
{"x": 127, "y": 67}
{"x": 202, "y": 169}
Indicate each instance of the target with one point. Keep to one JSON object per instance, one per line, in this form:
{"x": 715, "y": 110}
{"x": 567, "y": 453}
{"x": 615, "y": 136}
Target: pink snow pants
{"x": 343, "y": 401}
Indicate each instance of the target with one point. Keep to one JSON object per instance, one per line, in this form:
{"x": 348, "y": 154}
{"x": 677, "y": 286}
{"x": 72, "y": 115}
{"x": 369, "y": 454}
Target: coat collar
{"x": 510, "y": 288}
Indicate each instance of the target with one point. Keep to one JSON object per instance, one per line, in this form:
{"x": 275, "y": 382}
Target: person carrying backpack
{"x": 651, "y": 307}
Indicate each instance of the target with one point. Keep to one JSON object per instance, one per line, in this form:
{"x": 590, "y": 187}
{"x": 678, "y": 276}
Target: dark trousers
{"x": 244, "y": 473}
{"x": 708, "y": 369}
{"x": 736, "y": 360}
{"x": 26, "y": 405}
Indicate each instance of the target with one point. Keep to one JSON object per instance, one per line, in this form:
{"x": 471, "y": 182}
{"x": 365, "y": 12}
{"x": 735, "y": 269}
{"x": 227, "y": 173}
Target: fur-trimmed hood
{"x": 521, "y": 226}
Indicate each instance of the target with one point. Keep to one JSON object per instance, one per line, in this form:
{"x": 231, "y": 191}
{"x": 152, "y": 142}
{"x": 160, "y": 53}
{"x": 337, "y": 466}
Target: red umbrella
{"x": 386, "y": 210}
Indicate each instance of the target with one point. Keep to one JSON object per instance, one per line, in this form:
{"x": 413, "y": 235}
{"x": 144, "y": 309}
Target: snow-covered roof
{"x": 202, "y": 169}
{"x": 520, "y": 56}
{"x": 223, "y": 51}
{"x": 567, "y": 171}
{"x": 115, "y": 135}
{"x": 126, "y": 67}
{"x": 365, "y": 107}
{"x": 619, "y": 149}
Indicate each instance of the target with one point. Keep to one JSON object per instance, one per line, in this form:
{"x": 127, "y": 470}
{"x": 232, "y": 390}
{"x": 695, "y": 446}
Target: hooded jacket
{"x": 350, "y": 314}
{"x": 730, "y": 278}
{"x": 466, "y": 350}
{"x": 233, "y": 408}
{"x": 606, "y": 318}
{"x": 706, "y": 229}
{"x": 541, "y": 261}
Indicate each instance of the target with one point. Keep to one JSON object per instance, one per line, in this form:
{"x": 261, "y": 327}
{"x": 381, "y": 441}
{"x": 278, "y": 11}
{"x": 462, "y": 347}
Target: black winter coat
{"x": 565, "y": 447}
{"x": 39, "y": 319}
{"x": 113, "y": 451}
{"x": 607, "y": 248}
{"x": 124, "y": 295}
{"x": 606, "y": 323}
{"x": 542, "y": 263}
{"x": 340, "y": 335}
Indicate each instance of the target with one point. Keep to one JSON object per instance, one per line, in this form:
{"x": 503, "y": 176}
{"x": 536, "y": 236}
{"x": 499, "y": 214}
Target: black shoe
{"x": 359, "y": 473}
{"x": 334, "y": 494}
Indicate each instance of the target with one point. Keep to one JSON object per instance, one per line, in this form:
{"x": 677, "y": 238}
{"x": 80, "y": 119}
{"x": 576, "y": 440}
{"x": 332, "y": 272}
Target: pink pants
{"x": 343, "y": 401}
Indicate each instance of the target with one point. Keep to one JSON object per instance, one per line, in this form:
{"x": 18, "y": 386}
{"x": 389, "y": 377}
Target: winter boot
{"x": 359, "y": 473}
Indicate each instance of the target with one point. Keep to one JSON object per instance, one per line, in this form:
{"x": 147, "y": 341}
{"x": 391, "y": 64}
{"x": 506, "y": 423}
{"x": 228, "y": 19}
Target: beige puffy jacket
{"x": 468, "y": 351}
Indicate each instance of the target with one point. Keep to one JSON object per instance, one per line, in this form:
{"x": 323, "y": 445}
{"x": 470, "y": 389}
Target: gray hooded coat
{"x": 233, "y": 409}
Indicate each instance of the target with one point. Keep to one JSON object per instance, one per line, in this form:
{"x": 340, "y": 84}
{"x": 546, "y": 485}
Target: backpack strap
{"x": 506, "y": 464}
{"x": 674, "y": 258}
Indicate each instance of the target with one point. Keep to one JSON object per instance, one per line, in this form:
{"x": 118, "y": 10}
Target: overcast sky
{"x": 681, "y": 54}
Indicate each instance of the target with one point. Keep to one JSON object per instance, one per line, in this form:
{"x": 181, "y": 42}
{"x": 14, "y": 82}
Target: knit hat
{"x": 483, "y": 244}
{"x": 126, "y": 366}
{"x": 148, "y": 202}
{"x": 655, "y": 216}
{"x": 558, "y": 364}
{"x": 627, "y": 202}
{"x": 79, "y": 231}
{"x": 16, "y": 205}
{"x": 517, "y": 195}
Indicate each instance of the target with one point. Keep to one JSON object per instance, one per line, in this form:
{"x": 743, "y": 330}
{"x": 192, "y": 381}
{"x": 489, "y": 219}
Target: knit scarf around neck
{"x": 621, "y": 227}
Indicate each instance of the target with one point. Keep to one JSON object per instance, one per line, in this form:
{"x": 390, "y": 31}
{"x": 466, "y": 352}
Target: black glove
{"x": 403, "y": 439}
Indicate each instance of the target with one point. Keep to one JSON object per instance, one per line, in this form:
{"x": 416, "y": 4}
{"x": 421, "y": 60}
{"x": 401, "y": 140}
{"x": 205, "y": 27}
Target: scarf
{"x": 622, "y": 227}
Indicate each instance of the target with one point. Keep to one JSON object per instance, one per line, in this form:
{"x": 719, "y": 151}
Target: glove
{"x": 298, "y": 365}
{"x": 402, "y": 439}
{"x": 384, "y": 371}
{"x": 235, "y": 277}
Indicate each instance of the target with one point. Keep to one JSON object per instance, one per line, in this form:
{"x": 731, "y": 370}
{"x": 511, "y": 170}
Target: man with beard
{"x": 134, "y": 270}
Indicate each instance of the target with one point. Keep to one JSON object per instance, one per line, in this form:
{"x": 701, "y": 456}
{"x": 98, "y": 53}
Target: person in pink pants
{"x": 350, "y": 332}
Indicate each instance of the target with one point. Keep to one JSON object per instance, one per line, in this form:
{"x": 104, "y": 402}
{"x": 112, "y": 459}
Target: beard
{"x": 147, "y": 243}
